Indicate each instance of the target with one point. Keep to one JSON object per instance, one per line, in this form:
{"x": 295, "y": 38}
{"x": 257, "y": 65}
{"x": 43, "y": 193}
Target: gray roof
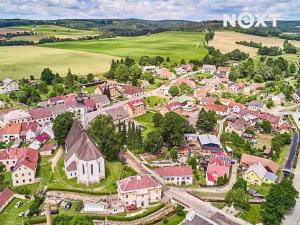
{"x": 255, "y": 103}
{"x": 117, "y": 113}
{"x": 271, "y": 176}
{"x": 57, "y": 109}
{"x": 258, "y": 169}
{"x": 78, "y": 142}
{"x": 206, "y": 139}
{"x": 101, "y": 99}
{"x": 196, "y": 220}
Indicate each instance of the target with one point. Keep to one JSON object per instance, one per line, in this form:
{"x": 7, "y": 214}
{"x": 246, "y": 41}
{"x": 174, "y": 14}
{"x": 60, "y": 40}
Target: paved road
{"x": 204, "y": 208}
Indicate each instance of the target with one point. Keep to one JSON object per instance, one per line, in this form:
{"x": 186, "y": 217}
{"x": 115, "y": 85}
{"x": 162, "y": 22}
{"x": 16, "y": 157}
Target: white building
{"x": 9, "y": 85}
{"x": 83, "y": 159}
{"x": 176, "y": 175}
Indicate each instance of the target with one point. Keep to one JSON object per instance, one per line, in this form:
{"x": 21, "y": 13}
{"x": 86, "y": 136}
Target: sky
{"x": 196, "y": 10}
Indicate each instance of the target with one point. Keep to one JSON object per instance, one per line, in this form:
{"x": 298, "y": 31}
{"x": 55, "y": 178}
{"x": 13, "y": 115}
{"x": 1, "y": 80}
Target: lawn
{"x": 146, "y": 120}
{"x": 23, "y": 61}
{"x": 90, "y": 89}
{"x": 252, "y": 215}
{"x": 10, "y": 214}
{"x": 176, "y": 45}
{"x": 263, "y": 139}
{"x": 59, "y": 180}
{"x": 153, "y": 101}
{"x": 173, "y": 220}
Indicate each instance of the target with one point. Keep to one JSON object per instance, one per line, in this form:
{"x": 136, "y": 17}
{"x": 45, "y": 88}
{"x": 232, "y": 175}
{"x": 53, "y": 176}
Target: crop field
{"x": 176, "y": 45}
{"x": 43, "y": 31}
{"x": 225, "y": 41}
{"x": 23, "y": 61}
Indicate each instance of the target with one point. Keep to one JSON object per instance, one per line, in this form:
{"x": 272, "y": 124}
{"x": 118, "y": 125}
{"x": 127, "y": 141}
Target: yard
{"x": 263, "y": 140}
{"x": 146, "y": 120}
{"x": 253, "y": 214}
{"x": 173, "y": 220}
{"x": 10, "y": 215}
{"x": 154, "y": 101}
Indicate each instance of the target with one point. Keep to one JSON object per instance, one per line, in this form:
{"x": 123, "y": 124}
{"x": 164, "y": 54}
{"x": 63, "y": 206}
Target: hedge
{"x": 80, "y": 191}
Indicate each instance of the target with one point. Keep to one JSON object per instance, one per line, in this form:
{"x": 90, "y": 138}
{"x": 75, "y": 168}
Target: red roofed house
{"x": 140, "y": 190}
{"x": 181, "y": 80}
{"x": 10, "y": 132}
{"x": 132, "y": 91}
{"x": 135, "y": 107}
{"x": 223, "y": 71}
{"x": 177, "y": 175}
{"x": 5, "y": 198}
{"x": 90, "y": 104}
{"x": 47, "y": 149}
{"x": 248, "y": 160}
{"x": 172, "y": 107}
{"x": 166, "y": 74}
{"x": 221, "y": 110}
{"x": 42, "y": 138}
{"x": 41, "y": 115}
{"x": 29, "y": 131}
{"x": 22, "y": 162}
{"x": 218, "y": 166}
{"x": 237, "y": 87}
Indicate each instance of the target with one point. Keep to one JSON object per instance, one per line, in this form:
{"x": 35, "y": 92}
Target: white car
{"x": 21, "y": 214}
{"x": 18, "y": 204}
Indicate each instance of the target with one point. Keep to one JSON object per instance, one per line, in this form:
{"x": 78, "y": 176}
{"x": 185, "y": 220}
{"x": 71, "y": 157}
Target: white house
{"x": 176, "y": 175}
{"x": 83, "y": 159}
{"x": 9, "y": 85}
{"x": 208, "y": 69}
{"x": 16, "y": 116}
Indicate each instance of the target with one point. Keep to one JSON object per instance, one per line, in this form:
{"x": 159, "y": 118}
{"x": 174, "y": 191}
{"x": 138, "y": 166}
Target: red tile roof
{"x": 216, "y": 108}
{"x": 25, "y": 127}
{"x": 5, "y": 195}
{"x": 89, "y": 102}
{"x": 131, "y": 90}
{"x": 47, "y": 148}
{"x": 218, "y": 166}
{"x": 56, "y": 99}
{"x": 173, "y": 106}
{"x": 252, "y": 159}
{"x": 137, "y": 183}
{"x": 43, "y": 137}
{"x": 40, "y": 113}
{"x": 14, "y": 128}
{"x": 238, "y": 86}
{"x": 135, "y": 103}
{"x": 175, "y": 171}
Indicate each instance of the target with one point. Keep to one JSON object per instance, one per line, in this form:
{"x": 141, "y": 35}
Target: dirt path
{"x": 56, "y": 158}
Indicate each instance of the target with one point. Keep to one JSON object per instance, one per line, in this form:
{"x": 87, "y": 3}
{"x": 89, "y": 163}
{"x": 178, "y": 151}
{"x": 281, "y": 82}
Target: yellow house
{"x": 257, "y": 174}
{"x": 140, "y": 190}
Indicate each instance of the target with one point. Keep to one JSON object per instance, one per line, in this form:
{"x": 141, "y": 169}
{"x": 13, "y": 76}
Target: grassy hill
{"x": 176, "y": 45}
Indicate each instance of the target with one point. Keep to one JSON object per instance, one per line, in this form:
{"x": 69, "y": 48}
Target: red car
{"x": 131, "y": 207}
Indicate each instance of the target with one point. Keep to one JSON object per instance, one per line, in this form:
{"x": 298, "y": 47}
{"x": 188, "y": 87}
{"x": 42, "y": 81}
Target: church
{"x": 83, "y": 159}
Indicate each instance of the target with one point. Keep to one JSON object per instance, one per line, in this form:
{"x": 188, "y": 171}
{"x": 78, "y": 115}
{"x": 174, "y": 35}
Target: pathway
{"x": 56, "y": 158}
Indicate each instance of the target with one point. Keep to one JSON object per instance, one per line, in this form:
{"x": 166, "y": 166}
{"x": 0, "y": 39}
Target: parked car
{"x": 21, "y": 214}
{"x": 54, "y": 211}
{"x": 68, "y": 206}
{"x": 131, "y": 207}
{"x": 19, "y": 203}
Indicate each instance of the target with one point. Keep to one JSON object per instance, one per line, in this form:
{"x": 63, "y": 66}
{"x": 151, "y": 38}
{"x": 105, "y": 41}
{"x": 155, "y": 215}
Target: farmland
{"x": 226, "y": 42}
{"x": 23, "y": 61}
{"x": 176, "y": 45}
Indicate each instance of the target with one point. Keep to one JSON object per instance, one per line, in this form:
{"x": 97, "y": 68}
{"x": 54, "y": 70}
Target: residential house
{"x": 22, "y": 162}
{"x": 136, "y": 107}
{"x": 172, "y": 107}
{"x": 176, "y": 175}
{"x": 118, "y": 114}
{"x": 181, "y": 80}
{"x": 256, "y": 105}
{"x": 47, "y": 149}
{"x": 188, "y": 103}
{"x": 207, "y": 100}
{"x": 214, "y": 82}
{"x": 248, "y": 160}
{"x": 296, "y": 96}
{"x": 6, "y": 196}
{"x": 256, "y": 174}
{"x": 56, "y": 100}
{"x": 150, "y": 69}
{"x": 140, "y": 190}
{"x": 9, "y": 85}
{"x": 90, "y": 104}
{"x": 41, "y": 115}
{"x": 210, "y": 143}
{"x": 83, "y": 159}
{"x": 236, "y": 107}
{"x": 218, "y": 166}
{"x": 29, "y": 131}
{"x": 223, "y": 71}
{"x": 164, "y": 89}
{"x": 16, "y": 116}
{"x": 58, "y": 109}
{"x": 11, "y": 132}
{"x": 236, "y": 87}
{"x": 239, "y": 126}
{"x": 203, "y": 91}
{"x": 132, "y": 92}
{"x": 113, "y": 89}
{"x": 166, "y": 74}
{"x": 278, "y": 99}
{"x": 101, "y": 101}
{"x": 211, "y": 69}
{"x": 221, "y": 110}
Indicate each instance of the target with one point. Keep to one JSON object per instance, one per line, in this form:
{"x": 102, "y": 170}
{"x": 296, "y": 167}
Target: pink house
{"x": 218, "y": 166}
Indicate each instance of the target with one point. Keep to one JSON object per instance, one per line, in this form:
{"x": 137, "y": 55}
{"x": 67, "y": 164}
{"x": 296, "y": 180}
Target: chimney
{"x": 48, "y": 215}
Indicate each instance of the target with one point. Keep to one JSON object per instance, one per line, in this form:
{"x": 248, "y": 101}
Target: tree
{"x": 72, "y": 220}
{"x": 135, "y": 73}
{"x": 266, "y": 126}
{"x": 292, "y": 68}
{"x": 281, "y": 198}
{"x": 153, "y": 142}
{"x": 238, "y": 198}
{"x": 90, "y": 77}
{"x": 69, "y": 79}
{"x": 58, "y": 89}
{"x": 192, "y": 161}
{"x": 61, "y": 127}
{"x": 174, "y": 90}
{"x": 104, "y": 133}
{"x": 240, "y": 183}
{"x": 179, "y": 210}
{"x": 174, "y": 153}
{"x": 206, "y": 120}
{"x": 42, "y": 87}
{"x": 47, "y": 76}
{"x": 122, "y": 73}
{"x": 157, "y": 119}
{"x": 185, "y": 88}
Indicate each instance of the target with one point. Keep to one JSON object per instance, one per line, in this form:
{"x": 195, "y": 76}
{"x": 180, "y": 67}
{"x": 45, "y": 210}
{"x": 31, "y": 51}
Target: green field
{"x": 176, "y": 45}
{"x": 43, "y": 31}
{"x": 23, "y": 61}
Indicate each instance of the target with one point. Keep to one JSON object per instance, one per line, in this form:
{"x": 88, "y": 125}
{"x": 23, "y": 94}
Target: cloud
{"x": 145, "y": 9}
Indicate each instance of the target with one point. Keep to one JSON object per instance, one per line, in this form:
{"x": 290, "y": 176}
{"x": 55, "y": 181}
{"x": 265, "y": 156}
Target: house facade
{"x": 176, "y": 175}
{"x": 5, "y": 198}
{"x": 135, "y": 107}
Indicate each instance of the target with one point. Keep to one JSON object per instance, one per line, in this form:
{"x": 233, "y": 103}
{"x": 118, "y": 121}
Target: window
{"x": 23, "y": 181}
{"x": 83, "y": 172}
{"x": 29, "y": 174}
{"x": 92, "y": 169}
{"x": 16, "y": 175}
{"x": 29, "y": 180}
{"x": 17, "y": 181}
{"x": 126, "y": 196}
{"x": 99, "y": 167}
{"x": 22, "y": 174}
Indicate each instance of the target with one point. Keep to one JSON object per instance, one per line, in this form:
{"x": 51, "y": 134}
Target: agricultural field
{"x": 225, "y": 41}
{"x": 176, "y": 45}
{"x": 23, "y": 61}
{"x": 43, "y": 31}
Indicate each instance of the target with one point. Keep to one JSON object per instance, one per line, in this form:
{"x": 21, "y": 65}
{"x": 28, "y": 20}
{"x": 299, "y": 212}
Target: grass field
{"x": 146, "y": 120}
{"x": 225, "y": 41}
{"x": 23, "y": 61}
{"x": 252, "y": 215}
{"x": 43, "y": 31}
{"x": 176, "y": 45}
{"x": 173, "y": 220}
